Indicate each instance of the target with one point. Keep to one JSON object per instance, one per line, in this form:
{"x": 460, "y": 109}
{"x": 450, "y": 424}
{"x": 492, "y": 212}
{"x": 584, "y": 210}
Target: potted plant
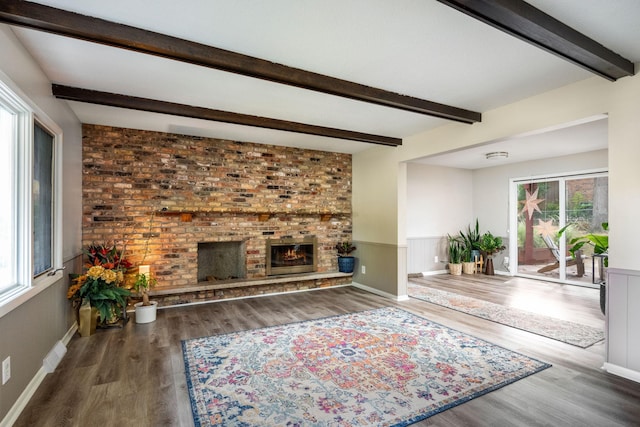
{"x": 471, "y": 241}
{"x": 600, "y": 243}
{"x": 345, "y": 261}
{"x": 468, "y": 264}
{"x": 455, "y": 256}
{"x": 99, "y": 290}
{"x": 490, "y": 244}
{"x": 145, "y": 309}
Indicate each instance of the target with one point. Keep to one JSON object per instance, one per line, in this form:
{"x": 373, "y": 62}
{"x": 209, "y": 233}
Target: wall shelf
{"x": 187, "y": 216}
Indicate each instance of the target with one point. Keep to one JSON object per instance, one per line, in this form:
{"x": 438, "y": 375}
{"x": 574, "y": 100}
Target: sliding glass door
{"x": 540, "y": 208}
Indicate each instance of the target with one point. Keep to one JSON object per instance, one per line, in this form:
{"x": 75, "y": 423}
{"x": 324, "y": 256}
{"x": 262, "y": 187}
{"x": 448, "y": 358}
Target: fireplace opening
{"x": 221, "y": 261}
{"x": 290, "y": 256}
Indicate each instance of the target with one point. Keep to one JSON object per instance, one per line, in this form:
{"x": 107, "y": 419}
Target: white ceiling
{"x": 589, "y": 134}
{"x": 419, "y": 48}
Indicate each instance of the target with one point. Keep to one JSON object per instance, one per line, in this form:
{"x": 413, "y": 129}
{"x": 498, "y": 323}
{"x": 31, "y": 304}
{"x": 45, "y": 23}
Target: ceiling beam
{"x": 155, "y": 106}
{"x": 520, "y": 19}
{"x": 70, "y": 24}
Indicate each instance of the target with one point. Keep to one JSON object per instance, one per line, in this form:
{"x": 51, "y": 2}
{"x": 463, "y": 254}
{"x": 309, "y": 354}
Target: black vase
{"x": 345, "y": 264}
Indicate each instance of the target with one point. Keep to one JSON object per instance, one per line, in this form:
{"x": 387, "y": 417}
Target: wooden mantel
{"x": 187, "y": 216}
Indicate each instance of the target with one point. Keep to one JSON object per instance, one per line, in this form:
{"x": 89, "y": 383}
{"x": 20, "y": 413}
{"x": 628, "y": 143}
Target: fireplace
{"x": 221, "y": 261}
{"x": 291, "y": 256}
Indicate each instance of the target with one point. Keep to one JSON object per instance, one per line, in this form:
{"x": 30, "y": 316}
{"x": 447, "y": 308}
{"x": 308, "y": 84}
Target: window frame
{"x": 27, "y": 115}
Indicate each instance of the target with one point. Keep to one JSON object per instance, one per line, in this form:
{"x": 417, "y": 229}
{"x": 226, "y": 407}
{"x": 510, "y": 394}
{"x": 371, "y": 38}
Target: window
{"x": 42, "y": 200}
{"x": 7, "y": 215}
{"x": 30, "y": 247}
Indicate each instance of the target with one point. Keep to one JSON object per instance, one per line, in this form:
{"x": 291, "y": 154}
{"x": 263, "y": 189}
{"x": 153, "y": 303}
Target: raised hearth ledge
{"x": 241, "y": 283}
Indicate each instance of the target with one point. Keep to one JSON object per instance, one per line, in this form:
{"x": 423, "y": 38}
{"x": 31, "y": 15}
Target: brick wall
{"x": 129, "y": 176}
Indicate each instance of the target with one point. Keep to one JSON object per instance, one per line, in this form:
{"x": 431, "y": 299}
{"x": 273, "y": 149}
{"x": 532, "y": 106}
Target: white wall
{"x": 439, "y": 200}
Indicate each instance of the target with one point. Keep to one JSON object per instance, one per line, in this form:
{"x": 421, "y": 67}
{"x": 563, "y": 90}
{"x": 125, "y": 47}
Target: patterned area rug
{"x": 383, "y": 367}
{"x": 550, "y": 327}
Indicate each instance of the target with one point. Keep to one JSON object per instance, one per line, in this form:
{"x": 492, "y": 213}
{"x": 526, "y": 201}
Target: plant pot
{"x": 87, "y": 319}
{"x": 346, "y": 264}
{"x": 469, "y": 267}
{"x": 146, "y": 313}
{"x": 488, "y": 267}
{"x": 455, "y": 269}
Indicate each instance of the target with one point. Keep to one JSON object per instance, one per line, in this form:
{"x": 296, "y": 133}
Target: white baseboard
{"x": 435, "y": 272}
{"x": 622, "y": 372}
{"x": 438, "y": 272}
{"x": 24, "y": 398}
{"x": 54, "y": 357}
{"x": 70, "y": 333}
{"x": 37, "y": 379}
{"x": 379, "y": 292}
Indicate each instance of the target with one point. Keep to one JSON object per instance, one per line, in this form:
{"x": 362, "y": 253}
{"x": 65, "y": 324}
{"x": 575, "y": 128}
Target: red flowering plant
{"x": 108, "y": 256}
{"x": 101, "y": 284}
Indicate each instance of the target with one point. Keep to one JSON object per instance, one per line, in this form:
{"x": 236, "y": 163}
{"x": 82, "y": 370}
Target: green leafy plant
{"x": 100, "y": 286}
{"x": 600, "y": 242}
{"x": 144, "y": 281}
{"x": 471, "y": 240}
{"x": 456, "y": 248}
{"x": 345, "y": 248}
{"x": 491, "y": 244}
{"x": 465, "y": 253}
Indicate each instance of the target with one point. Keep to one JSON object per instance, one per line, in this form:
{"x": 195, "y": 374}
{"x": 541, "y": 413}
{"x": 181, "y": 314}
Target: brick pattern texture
{"x": 130, "y": 176}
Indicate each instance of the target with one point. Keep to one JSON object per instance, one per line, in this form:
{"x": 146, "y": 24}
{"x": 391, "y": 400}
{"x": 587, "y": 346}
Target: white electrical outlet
{"x": 364, "y": 270}
{"x": 506, "y": 260}
{"x": 435, "y": 258}
{"x": 6, "y": 370}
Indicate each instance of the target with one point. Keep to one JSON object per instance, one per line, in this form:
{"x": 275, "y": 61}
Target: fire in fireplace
{"x": 290, "y": 256}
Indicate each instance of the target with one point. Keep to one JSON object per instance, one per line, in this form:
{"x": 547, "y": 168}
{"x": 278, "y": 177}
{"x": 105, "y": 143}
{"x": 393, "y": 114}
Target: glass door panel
{"x": 587, "y": 209}
{"x": 543, "y": 207}
{"x": 538, "y": 213}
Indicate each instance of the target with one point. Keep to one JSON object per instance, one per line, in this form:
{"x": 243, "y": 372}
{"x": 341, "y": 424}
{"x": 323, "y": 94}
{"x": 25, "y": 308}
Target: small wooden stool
{"x": 479, "y": 264}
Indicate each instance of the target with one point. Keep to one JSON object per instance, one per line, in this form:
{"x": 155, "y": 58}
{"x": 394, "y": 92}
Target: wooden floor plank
{"x": 135, "y": 376}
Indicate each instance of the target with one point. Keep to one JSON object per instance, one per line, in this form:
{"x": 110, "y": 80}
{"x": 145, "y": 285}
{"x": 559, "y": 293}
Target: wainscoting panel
{"x": 623, "y": 320}
{"x": 421, "y": 253}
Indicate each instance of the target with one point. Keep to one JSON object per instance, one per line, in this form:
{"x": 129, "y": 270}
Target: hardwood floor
{"x": 135, "y": 376}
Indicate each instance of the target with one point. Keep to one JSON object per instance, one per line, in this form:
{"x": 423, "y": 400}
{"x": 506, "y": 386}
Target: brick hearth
{"x": 169, "y": 192}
